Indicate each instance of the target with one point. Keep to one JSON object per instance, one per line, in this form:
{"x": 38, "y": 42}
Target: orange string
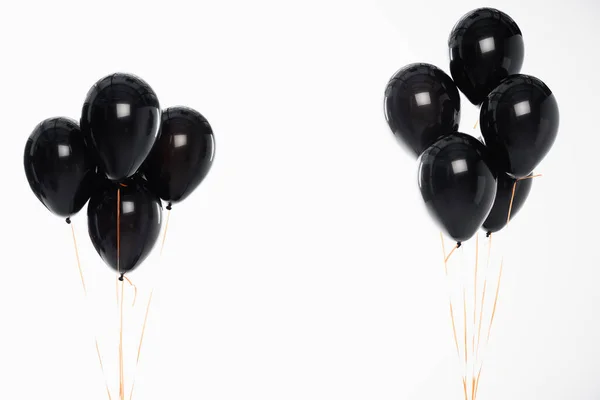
{"x": 86, "y": 294}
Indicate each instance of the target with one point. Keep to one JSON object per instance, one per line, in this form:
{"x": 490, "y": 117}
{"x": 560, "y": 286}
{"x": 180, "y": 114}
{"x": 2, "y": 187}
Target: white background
{"x": 305, "y": 266}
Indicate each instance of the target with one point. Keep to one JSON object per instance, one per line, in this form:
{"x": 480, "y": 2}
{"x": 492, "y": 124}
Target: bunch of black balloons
{"x": 469, "y": 183}
{"x": 125, "y": 156}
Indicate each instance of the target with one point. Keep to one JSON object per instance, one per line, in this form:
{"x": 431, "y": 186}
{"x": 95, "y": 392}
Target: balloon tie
{"x": 488, "y": 234}
{"x": 68, "y": 220}
{"x": 169, "y": 206}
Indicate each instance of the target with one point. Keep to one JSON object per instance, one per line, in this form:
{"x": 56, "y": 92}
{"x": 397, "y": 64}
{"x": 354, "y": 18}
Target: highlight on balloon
{"x": 124, "y": 159}
{"x": 470, "y": 184}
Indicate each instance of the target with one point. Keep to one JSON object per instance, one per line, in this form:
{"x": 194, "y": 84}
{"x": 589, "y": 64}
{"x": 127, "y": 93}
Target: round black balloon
{"x": 486, "y": 46}
{"x": 421, "y": 104}
{"x": 182, "y": 156}
{"x": 59, "y": 168}
{"x": 498, "y": 216}
{"x": 120, "y": 121}
{"x": 458, "y": 184}
{"x": 519, "y": 122}
{"x": 139, "y": 213}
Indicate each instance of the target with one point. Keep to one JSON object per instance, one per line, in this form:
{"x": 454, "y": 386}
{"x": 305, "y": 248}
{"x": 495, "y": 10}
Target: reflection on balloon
{"x": 519, "y": 122}
{"x": 59, "y": 169}
{"x": 458, "y": 184}
{"x": 486, "y": 46}
{"x": 182, "y": 156}
{"x": 120, "y": 120}
{"x": 124, "y": 223}
{"x": 421, "y": 104}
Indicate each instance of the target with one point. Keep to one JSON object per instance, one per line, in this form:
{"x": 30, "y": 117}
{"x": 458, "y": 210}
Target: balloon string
{"x": 491, "y": 320}
{"x": 149, "y": 302}
{"x": 121, "y": 372}
{"x": 162, "y": 247}
{"x": 452, "y": 319}
{"x": 141, "y": 340}
{"x": 86, "y": 295}
{"x": 121, "y": 369}
{"x": 512, "y": 197}
{"x": 476, "y": 123}
{"x": 473, "y": 351}
{"x": 134, "y": 289}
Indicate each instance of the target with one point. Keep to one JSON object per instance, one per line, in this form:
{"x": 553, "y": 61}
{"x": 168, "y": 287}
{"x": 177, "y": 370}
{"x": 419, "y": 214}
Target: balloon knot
{"x": 458, "y": 244}
{"x": 169, "y": 206}
{"x": 68, "y": 220}
{"x": 488, "y": 234}
{"x": 121, "y": 277}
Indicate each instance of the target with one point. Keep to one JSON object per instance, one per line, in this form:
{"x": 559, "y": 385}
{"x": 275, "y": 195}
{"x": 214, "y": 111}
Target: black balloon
{"x": 120, "y": 120}
{"x": 498, "y": 216}
{"x": 124, "y": 222}
{"x": 519, "y": 122}
{"x": 486, "y": 46}
{"x": 458, "y": 184}
{"x": 421, "y": 104}
{"x": 182, "y": 156}
{"x": 59, "y": 168}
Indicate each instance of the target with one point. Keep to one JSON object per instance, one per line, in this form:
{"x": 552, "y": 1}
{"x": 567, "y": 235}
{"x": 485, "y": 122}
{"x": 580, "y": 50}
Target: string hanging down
{"x": 85, "y": 292}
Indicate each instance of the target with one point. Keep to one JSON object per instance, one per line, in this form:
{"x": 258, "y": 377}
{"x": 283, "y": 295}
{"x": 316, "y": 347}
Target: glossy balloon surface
{"x": 421, "y": 104}
{"x": 182, "y": 156}
{"x": 59, "y": 169}
{"x": 457, "y": 184}
{"x": 498, "y": 216}
{"x": 120, "y": 120}
{"x": 486, "y": 46}
{"x": 519, "y": 122}
{"x": 138, "y": 213}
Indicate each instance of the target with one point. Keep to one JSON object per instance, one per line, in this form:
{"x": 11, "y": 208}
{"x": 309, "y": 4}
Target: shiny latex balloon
{"x": 182, "y": 156}
{"x": 124, "y": 222}
{"x": 458, "y": 184}
{"x": 58, "y": 166}
{"x": 120, "y": 121}
{"x": 486, "y": 46}
{"x": 519, "y": 122}
{"x": 421, "y": 104}
{"x": 498, "y": 216}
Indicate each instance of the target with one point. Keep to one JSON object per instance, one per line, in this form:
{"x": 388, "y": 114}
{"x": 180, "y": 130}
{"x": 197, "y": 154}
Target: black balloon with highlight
{"x": 519, "y": 123}
{"x": 421, "y": 104}
{"x": 486, "y": 46}
{"x": 458, "y": 184}
{"x": 120, "y": 120}
{"x": 182, "y": 156}
{"x": 58, "y": 166}
{"x": 124, "y": 222}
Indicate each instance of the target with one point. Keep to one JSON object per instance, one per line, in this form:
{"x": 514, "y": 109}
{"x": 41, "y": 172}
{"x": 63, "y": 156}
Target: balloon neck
{"x": 458, "y": 244}
{"x": 68, "y": 220}
{"x": 121, "y": 277}
{"x": 169, "y": 206}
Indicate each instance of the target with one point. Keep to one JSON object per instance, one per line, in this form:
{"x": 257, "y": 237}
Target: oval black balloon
{"x": 519, "y": 122}
{"x": 139, "y": 213}
{"x": 498, "y": 216}
{"x": 120, "y": 121}
{"x": 486, "y": 46}
{"x": 458, "y": 184}
{"x": 421, "y": 105}
{"x": 58, "y": 166}
{"x": 182, "y": 156}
